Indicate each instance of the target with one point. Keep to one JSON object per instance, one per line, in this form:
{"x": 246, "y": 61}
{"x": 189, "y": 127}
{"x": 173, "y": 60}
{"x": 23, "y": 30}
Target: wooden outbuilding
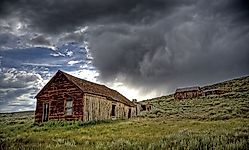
{"x": 188, "y": 92}
{"x": 66, "y": 97}
{"x": 146, "y": 106}
{"x": 214, "y": 92}
{"x": 142, "y": 106}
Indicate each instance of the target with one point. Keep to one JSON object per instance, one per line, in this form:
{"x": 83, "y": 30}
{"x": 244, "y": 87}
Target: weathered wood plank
{"x": 55, "y": 94}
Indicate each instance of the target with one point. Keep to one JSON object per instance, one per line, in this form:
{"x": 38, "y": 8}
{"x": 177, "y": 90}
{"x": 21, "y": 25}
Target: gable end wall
{"x": 56, "y": 94}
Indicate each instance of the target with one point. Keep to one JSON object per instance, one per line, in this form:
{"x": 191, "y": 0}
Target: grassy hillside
{"x": 236, "y": 85}
{"x": 213, "y": 122}
{"x": 233, "y": 104}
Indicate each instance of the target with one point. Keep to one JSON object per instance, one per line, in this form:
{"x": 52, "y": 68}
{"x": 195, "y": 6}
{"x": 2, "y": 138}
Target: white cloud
{"x": 72, "y": 62}
{"x": 18, "y": 88}
{"x": 69, "y": 53}
{"x": 81, "y": 30}
{"x": 57, "y": 54}
{"x": 86, "y": 44}
{"x": 22, "y": 79}
{"x": 41, "y": 65}
{"x": 90, "y": 75}
{"x": 131, "y": 93}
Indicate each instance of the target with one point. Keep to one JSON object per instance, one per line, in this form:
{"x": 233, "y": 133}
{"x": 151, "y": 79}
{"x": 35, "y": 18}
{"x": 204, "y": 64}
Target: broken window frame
{"x": 69, "y": 106}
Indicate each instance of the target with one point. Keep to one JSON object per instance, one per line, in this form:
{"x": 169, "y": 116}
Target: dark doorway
{"x": 136, "y": 110}
{"x": 113, "y": 110}
{"x": 45, "y": 111}
{"x": 143, "y": 107}
{"x": 129, "y": 113}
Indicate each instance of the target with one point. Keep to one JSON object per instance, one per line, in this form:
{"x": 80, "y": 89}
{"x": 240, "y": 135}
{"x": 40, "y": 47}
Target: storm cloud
{"x": 196, "y": 44}
{"x": 61, "y": 15}
{"x": 17, "y": 89}
{"x": 149, "y": 45}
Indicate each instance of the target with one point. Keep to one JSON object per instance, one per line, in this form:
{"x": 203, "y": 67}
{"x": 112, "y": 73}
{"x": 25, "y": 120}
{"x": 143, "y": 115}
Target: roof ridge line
{"x": 100, "y": 89}
{"x": 82, "y": 79}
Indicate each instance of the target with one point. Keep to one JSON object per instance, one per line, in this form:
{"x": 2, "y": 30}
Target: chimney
{"x": 134, "y": 100}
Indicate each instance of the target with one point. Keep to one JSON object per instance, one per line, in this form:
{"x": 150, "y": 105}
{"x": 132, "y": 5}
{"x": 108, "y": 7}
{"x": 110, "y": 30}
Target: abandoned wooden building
{"x": 66, "y": 97}
{"x": 188, "y": 92}
{"x": 146, "y": 107}
{"x": 142, "y": 106}
{"x": 214, "y": 92}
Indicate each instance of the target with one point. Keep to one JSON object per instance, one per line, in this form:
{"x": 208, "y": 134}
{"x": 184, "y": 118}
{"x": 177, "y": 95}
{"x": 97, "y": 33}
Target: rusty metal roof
{"x": 188, "y": 89}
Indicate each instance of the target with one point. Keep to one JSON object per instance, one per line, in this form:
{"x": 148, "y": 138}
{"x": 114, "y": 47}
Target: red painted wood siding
{"x": 56, "y": 94}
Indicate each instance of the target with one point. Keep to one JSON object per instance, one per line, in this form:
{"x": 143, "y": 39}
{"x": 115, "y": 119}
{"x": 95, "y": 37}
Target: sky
{"x": 141, "y": 48}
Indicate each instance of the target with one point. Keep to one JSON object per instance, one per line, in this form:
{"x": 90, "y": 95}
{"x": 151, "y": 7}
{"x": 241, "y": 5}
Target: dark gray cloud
{"x": 150, "y": 45}
{"x": 40, "y": 40}
{"x": 60, "y": 16}
{"x": 198, "y": 44}
{"x": 4, "y": 39}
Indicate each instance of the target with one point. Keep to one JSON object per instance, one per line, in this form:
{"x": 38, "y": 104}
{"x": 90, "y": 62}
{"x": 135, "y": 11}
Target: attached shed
{"x": 66, "y": 97}
{"x": 142, "y": 106}
{"x": 188, "y": 92}
{"x": 146, "y": 106}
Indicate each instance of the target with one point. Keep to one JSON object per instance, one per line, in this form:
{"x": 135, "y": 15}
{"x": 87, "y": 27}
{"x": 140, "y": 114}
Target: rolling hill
{"x": 212, "y": 122}
{"x": 233, "y": 104}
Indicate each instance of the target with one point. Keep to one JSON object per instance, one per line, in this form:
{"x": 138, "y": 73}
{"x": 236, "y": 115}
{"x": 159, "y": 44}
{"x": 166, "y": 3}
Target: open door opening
{"x": 129, "y": 113}
{"x": 45, "y": 112}
{"x": 143, "y": 107}
{"x": 113, "y": 110}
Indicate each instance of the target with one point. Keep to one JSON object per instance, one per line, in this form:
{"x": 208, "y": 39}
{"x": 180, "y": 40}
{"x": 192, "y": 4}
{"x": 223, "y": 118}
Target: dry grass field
{"x": 212, "y": 122}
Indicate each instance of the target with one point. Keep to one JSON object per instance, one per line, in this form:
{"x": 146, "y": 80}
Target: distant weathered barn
{"x": 188, "y": 92}
{"x": 66, "y": 97}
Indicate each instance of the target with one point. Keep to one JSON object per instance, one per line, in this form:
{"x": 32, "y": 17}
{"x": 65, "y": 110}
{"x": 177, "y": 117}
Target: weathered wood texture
{"x": 214, "y": 92}
{"x": 187, "y": 94}
{"x": 55, "y": 95}
{"x": 148, "y": 107}
{"x": 99, "y": 108}
{"x": 143, "y": 106}
{"x": 86, "y": 106}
